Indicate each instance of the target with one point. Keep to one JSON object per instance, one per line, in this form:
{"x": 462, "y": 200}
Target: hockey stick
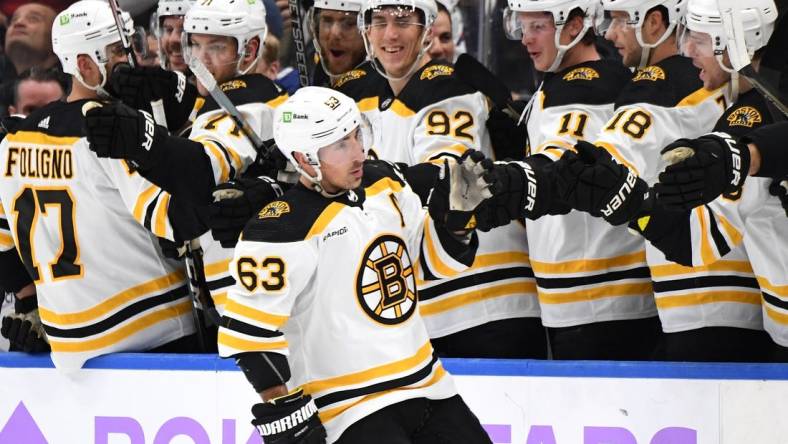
{"x": 297, "y": 25}
{"x": 157, "y": 106}
{"x": 198, "y": 287}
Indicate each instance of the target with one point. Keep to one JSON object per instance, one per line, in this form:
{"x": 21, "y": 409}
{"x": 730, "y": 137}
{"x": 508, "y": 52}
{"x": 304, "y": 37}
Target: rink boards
{"x": 161, "y": 399}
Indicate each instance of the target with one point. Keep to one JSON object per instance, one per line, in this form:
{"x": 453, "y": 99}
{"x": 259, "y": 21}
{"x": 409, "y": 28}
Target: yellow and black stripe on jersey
{"x": 671, "y": 82}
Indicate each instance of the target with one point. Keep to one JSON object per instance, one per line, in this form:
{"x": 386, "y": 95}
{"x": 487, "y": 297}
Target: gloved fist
{"x": 24, "y": 329}
{"x": 701, "y": 169}
{"x": 139, "y": 86}
{"x": 237, "y": 201}
{"x": 524, "y": 189}
{"x": 170, "y": 249}
{"x": 460, "y": 188}
{"x": 118, "y": 131}
{"x": 290, "y": 419}
{"x": 779, "y": 188}
{"x": 591, "y": 181}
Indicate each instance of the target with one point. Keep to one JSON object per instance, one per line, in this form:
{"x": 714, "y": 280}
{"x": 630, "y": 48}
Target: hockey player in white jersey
{"x": 62, "y": 205}
{"x": 217, "y": 150}
{"x": 423, "y": 112}
{"x": 326, "y": 298}
{"x": 746, "y": 214}
{"x": 594, "y": 287}
{"x": 708, "y": 313}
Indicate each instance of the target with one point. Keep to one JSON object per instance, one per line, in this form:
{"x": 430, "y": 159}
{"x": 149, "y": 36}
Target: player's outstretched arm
{"x": 23, "y": 328}
{"x": 177, "y": 165}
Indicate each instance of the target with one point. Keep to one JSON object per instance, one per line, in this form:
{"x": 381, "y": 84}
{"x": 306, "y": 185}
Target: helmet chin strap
{"x": 733, "y": 85}
{"x": 646, "y": 48}
{"x": 562, "y": 49}
{"x": 98, "y": 89}
{"x": 315, "y": 181}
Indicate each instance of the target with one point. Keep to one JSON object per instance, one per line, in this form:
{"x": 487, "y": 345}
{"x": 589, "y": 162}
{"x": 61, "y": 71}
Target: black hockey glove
{"x": 701, "y": 169}
{"x": 118, "y": 131}
{"x": 237, "y": 201}
{"x": 290, "y": 419}
{"x": 23, "y": 329}
{"x": 170, "y": 249}
{"x": 591, "y": 181}
{"x": 508, "y": 139}
{"x": 779, "y": 188}
{"x": 520, "y": 189}
{"x": 461, "y": 187}
{"x": 138, "y": 87}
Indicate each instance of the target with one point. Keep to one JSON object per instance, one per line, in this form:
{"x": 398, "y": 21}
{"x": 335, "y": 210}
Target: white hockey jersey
{"x": 82, "y": 226}
{"x": 662, "y": 103}
{"x": 437, "y": 115}
{"x": 586, "y": 270}
{"x": 231, "y": 153}
{"x": 712, "y": 235}
{"x": 331, "y": 283}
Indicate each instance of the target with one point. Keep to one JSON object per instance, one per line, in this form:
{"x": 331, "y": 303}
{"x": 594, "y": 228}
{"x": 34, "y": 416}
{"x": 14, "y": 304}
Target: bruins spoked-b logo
{"x": 385, "y": 285}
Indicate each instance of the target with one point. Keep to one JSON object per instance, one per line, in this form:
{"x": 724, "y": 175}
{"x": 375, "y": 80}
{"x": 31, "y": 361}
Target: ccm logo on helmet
{"x": 622, "y": 195}
{"x": 149, "y": 128}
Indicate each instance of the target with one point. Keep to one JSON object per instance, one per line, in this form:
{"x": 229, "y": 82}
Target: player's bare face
{"x": 217, "y": 53}
{"x": 340, "y": 41}
{"x": 396, "y": 38}
{"x": 698, "y": 46}
{"x": 442, "y": 47}
{"x": 622, "y": 35}
{"x": 342, "y": 162}
{"x": 171, "y": 30}
{"x": 538, "y": 31}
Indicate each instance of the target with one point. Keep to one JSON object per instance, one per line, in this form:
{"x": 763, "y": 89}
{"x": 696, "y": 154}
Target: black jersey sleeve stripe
{"x": 149, "y": 211}
{"x": 719, "y": 240}
{"x": 604, "y": 278}
{"x": 774, "y": 301}
{"x": 242, "y": 327}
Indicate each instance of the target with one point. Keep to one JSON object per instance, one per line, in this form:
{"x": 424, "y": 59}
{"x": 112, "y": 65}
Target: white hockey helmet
{"x": 87, "y": 27}
{"x": 748, "y": 25}
{"x": 560, "y": 9}
{"x": 314, "y": 118}
{"x": 240, "y": 20}
{"x": 173, "y": 7}
{"x": 756, "y": 24}
{"x": 427, "y": 7}
{"x": 637, "y": 11}
{"x": 348, "y": 6}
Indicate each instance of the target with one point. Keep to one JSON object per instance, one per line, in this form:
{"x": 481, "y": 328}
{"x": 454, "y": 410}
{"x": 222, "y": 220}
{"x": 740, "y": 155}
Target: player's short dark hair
{"x": 37, "y": 74}
{"x": 590, "y": 37}
{"x": 442, "y": 8}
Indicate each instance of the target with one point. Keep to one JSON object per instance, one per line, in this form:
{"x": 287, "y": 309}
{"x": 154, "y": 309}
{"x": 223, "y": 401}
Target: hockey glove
{"x": 290, "y": 419}
{"x": 138, "y": 87}
{"x": 23, "y": 329}
{"x": 701, "y": 169}
{"x": 461, "y": 187}
{"x": 118, "y": 131}
{"x": 521, "y": 189}
{"x": 237, "y": 201}
{"x": 170, "y": 249}
{"x": 591, "y": 181}
{"x": 779, "y": 188}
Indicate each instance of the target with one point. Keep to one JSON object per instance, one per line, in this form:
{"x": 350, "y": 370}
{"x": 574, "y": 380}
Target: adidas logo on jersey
{"x": 44, "y": 123}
